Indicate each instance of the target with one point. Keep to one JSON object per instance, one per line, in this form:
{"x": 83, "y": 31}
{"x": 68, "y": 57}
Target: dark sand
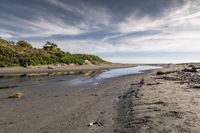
{"x": 67, "y": 110}
{"x": 118, "y": 105}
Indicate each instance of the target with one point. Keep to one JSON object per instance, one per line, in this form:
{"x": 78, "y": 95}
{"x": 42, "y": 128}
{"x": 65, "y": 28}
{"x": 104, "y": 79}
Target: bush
{"x": 2, "y": 64}
{"x": 23, "y": 54}
{"x": 24, "y": 44}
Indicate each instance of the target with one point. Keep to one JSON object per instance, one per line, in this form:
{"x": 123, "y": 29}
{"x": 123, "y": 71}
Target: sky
{"x": 126, "y": 31}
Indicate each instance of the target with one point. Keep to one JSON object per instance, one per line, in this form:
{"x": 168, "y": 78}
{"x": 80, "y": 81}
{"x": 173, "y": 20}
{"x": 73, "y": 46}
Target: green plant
{"x": 23, "y": 54}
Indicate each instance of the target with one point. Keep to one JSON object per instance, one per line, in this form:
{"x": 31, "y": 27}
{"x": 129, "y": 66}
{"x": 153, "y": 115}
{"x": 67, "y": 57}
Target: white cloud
{"x": 40, "y": 27}
{"x": 48, "y": 28}
{"x": 178, "y": 30}
{"x": 94, "y": 17}
{"x": 154, "y": 59}
{"x": 6, "y": 35}
{"x": 45, "y": 25}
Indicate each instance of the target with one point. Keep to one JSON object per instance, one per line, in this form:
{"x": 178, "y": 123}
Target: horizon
{"x": 128, "y": 31}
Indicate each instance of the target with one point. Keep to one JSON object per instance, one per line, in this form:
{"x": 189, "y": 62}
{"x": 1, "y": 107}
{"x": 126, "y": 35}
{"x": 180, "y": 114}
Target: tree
{"x": 11, "y": 42}
{"x": 23, "y": 44}
{"x": 50, "y": 46}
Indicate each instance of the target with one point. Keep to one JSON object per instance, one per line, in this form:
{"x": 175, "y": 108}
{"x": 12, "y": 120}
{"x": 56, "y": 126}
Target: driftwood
{"x": 156, "y": 83}
{"x": 189, "y": 75}
{"x": 191, "y": 65}
{"x": 193, "y": 69}
{"x": 164, "y": 73}
{"x": 197, "y": 86}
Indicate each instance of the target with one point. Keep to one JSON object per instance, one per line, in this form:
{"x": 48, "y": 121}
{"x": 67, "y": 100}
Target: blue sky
{"x": 130, "y": 31}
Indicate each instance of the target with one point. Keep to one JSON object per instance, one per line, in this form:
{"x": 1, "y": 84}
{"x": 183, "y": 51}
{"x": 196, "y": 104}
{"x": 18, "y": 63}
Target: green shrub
{"x": 23, "y": 54}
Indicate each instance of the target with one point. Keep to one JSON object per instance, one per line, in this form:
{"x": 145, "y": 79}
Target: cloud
{"x": 152, "y": 57}
{"x": 177, "y": 30}
{"x": 91, "y": 16}
{"x": 101, "y": 26}
{"x": 5, "y": 35}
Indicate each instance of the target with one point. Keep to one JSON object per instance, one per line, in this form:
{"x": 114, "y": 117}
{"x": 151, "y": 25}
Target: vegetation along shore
{"x": 23, "y": 54}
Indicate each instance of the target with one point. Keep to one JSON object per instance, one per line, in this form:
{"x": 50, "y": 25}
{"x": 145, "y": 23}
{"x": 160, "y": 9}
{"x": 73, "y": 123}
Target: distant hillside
{"x": 23, "y": 54}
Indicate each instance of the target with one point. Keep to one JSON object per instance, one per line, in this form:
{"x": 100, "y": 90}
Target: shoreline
{"x": 53, "y": 68}
{"x": 162, "y": 103}
{"x": 65, "y": 108}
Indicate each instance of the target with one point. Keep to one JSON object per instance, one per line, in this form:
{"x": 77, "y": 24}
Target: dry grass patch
{"x": 16, "y": 95}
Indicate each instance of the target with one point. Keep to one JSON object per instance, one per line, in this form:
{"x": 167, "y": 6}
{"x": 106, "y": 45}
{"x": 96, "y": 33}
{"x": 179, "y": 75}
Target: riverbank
{"x": 60, "y": 68}
{"x": 153, "y": 102}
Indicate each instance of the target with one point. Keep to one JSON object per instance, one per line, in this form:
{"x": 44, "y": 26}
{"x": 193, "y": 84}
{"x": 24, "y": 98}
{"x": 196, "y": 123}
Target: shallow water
{"x": 62, "y": 80}
{"x": 124, "y": 71}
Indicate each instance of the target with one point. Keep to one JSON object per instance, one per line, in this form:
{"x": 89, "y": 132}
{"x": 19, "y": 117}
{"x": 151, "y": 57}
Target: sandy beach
{"x": 150, "y": 102}
{"x": 99, "y": 66}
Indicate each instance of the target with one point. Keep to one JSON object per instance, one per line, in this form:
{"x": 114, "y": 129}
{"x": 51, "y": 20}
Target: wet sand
{"x": 67, "y": 110}
{"x": 160, "y": 103}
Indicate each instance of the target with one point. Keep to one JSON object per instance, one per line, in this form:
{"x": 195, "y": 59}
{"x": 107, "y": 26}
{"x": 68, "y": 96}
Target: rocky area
{"x": 168, "y": 102}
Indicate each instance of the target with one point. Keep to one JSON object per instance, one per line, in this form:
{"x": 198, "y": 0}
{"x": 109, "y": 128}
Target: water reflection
{"x": 65, "y": 79}
{"x": 74, "y": 73}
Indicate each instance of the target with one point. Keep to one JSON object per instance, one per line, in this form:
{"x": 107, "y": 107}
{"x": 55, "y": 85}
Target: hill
{"x": 23, "y": 54}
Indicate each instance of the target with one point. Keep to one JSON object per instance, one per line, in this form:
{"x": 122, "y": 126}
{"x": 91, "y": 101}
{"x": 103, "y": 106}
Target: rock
{"x": 90, "y": 124}
{"x": 142, "y": 81}
{"x": 160, "y": 73}
{"x": 95, "y": 123}
{"x": 98, "y": 123}
{"x": 94, "y": 95}
{"x": 50, "y": 67}
{"x": 190, "y": 65}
